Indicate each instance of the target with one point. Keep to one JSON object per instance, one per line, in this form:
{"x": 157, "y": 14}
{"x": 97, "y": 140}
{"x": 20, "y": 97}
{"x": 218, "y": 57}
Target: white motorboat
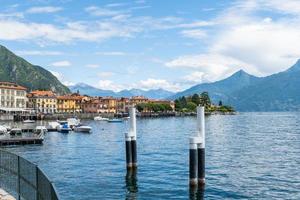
{"x": 115, "y": 120}
{"x": 83, "y": 129}
{"x": 72, "y": 122}
{"x": 64, "y": 128}
{"x": 3, "y": 130}
{"x": 53, "y": 125}
{"x": 15, "y": 131}
{"x": 40, "y": 131}
{"x": 99, "y": 118}
{"x": 27, "y": 121}
{"x": 8, "y": 128}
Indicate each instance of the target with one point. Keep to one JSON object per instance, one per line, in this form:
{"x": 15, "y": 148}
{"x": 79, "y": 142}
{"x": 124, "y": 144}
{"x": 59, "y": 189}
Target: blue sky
{"x": 152, "y": 44}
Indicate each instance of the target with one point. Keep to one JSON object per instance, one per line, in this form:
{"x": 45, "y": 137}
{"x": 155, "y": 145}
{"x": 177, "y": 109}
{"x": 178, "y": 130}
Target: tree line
{"x": 190, "y": 103}
{"x": 153, "y": 107}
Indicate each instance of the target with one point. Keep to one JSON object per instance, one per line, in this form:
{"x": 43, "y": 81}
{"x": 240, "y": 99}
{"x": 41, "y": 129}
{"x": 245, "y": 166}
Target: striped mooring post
{"x": 130, "y": 141}
{"x": 197, "y": 151}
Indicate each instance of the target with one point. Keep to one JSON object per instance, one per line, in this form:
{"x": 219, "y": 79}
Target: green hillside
{"x": 15, "y": 69}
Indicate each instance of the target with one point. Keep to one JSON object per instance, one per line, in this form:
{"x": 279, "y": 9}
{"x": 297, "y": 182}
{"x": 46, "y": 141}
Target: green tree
{"x": 191, "y": 106}
{"x": 220, "y": 103}
{"x": 196, "y": 99}
{"x": 205, "y": 99}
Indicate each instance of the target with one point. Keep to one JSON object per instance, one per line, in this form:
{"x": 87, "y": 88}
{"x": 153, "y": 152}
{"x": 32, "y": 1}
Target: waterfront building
{"x": 111, "y": 103}
{"x": 42, "y": 101}
{"x": 138, "y": 100}
{"x": 100, "y": 105}
{"x": 69, "y": 103}
{"x": 123, "y": 105}
{"x": 12, "y": 98}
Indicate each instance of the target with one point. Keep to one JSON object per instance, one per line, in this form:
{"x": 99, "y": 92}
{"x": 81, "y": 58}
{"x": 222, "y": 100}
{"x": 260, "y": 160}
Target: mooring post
{"x": 201, "y": 144}
{"x": 128, "y": 151}
{"x": 193, "y": 161}
{"x": 197, "y": 151}
{"x": 131, "y": 146}
{"x": 133, "y": 135}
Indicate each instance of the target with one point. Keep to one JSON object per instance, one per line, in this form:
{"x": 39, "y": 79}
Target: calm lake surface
{"x": 248, "y": 156}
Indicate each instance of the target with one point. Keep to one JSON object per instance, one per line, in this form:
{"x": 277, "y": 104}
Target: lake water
{"x": 248, "y": 156}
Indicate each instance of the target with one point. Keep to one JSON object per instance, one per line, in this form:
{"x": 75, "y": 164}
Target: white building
{"x": 12, "y": 97}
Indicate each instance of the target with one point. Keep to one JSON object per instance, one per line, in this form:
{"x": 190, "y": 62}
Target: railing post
{"x": 19, "y": 180}
{"x": 37, "y": 182}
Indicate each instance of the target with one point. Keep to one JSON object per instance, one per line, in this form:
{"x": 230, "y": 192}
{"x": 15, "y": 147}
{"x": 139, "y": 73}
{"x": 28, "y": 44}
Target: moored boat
{"x": 28, "y": 121}
{"x": 72, "y": 122}
{"x": 15, "y": 131}
{"x": 115, "y": 120}
{"x": 82, "y": 128}
{"x": 52, "y": 125}
{"x": 64, "y": 128}
{"x": 3, "y": 130}
{"x": 40, "y": 131}
{"x": 99, "y": 118}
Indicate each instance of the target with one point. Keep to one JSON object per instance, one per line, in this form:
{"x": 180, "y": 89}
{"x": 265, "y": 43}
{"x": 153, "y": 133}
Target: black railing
{"x": 23, "y": 179}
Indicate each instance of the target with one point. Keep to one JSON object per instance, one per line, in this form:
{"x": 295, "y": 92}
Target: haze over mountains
{"x": 92, "y": 91}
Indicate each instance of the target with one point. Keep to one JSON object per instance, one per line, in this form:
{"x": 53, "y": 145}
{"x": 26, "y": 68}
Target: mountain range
{"x": 245, "y": 92}
{"x": 15, "y": 69}
{"x": 92, "y": 91}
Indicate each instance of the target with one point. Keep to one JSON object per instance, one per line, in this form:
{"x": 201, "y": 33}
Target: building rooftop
{"x": 10, "y": 85}
{"x": 41, "y": 93}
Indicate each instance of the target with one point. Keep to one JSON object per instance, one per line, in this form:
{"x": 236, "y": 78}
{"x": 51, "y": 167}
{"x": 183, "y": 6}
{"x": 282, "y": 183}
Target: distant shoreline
{"x": 59, "y": 116}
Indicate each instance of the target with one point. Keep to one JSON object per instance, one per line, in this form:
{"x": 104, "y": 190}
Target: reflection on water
{"x": 248, "y": 156}
{"x": 197, "y": 193}
{"x": 131, "y": 184}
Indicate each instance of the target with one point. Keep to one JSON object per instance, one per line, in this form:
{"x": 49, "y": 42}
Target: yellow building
{"x": 111, "y": 104}
{"x": 69, "y": 103}
{"x": 42, "y": 101}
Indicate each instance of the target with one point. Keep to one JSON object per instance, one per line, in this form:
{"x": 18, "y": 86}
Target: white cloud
{"x": 92, "y": 66}
{"x": 111, "y": 5}
{"x": 39, "y": 53}
{"x": 109, "y": 85}
{"x": 194, "y": 33}
{"x": 105, "y": 74}
{"x": 214, "y": 66}
{"x": 63, "y": 63}
{"x": 46, "y": 9}
{"x": 242, "y": 39}
{"x": 102, "y": 12}
{"x": 61, "y": 78}
{"x": 112, "y": 53}
{"x": 158, "y": 84}
{"x": 195, "y": 77}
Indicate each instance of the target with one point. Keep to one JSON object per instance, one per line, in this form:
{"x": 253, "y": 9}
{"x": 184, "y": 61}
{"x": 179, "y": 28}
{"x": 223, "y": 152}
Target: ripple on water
{"x": 248, "y": 156}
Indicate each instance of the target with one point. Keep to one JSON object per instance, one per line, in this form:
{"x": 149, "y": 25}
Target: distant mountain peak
{"x": 241, "y": 72}
{"x": 295, "y": 67}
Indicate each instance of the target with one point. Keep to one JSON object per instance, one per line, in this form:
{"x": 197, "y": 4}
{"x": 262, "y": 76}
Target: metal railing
{"x": 23, "y": 179}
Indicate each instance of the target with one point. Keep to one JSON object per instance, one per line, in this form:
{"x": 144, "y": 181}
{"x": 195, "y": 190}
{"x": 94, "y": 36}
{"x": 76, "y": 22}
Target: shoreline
{"x": 62, "y": 116}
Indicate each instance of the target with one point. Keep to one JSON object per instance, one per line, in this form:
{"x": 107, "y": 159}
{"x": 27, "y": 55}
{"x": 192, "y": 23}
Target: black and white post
{"x": 201, "y": 144}
{"x": 130, "y": 140}
{"x": 197, "y": 151}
